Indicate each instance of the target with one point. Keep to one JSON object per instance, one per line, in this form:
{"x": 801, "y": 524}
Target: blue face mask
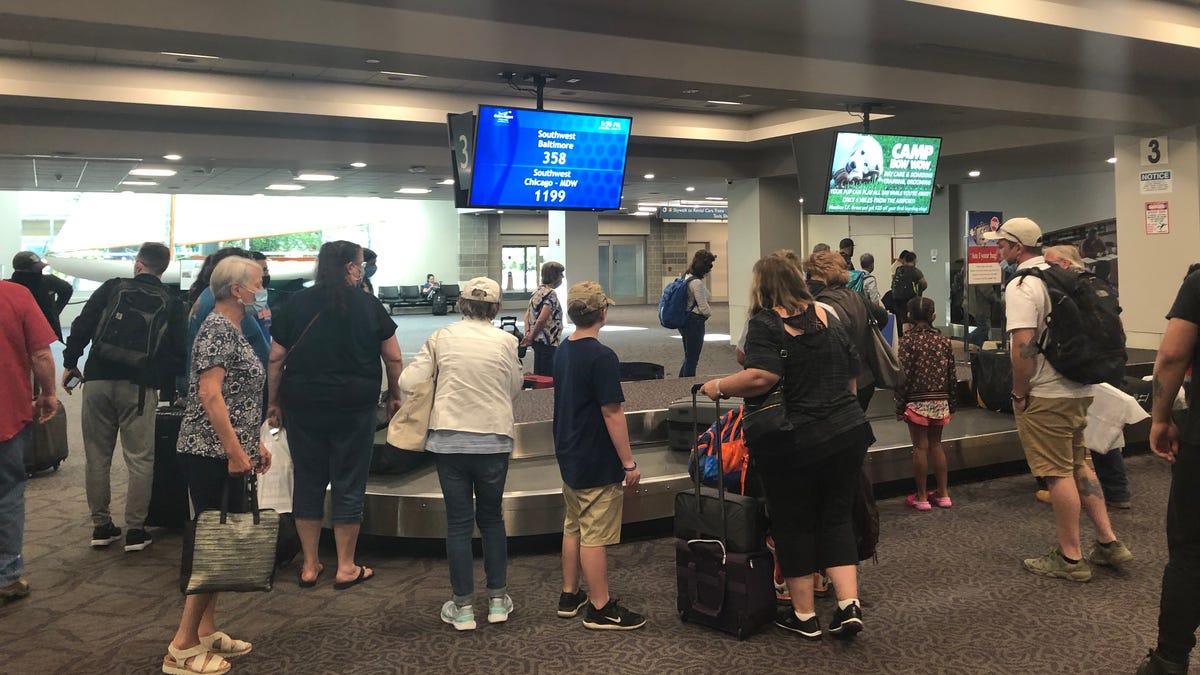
{"x": 259, "y": 304}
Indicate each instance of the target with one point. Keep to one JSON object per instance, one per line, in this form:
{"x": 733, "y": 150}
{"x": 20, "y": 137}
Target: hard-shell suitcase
{"x": 169, "y": 506}
{"x": 732, "y": 591}
{"x": 49, "y": 446}
{"x": 681, "y": 428}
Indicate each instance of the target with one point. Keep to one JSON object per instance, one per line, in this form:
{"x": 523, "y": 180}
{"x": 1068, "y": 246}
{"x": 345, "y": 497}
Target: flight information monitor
{"x": 538, "y": 159}
{"x": 882, "y": 174}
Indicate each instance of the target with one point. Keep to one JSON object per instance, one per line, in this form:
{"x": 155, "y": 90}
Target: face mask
{"x": 1007, "y": 267}
{"x": 266, "y": 280}
{"x": 370, "y": 269}
{"x": 258, "y": 304}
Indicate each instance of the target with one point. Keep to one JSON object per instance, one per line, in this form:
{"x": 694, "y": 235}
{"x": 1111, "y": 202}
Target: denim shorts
{"x": 332, "y": 449}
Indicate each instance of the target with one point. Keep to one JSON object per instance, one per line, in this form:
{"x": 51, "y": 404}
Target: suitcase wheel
{"x": 741, "y": 634}
{"x": 683, "y": 616}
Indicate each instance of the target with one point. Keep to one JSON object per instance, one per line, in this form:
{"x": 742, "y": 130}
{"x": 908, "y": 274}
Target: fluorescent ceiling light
{"x": 715, "y": 199}
{"x": 499, "y": 212}
{"x": 316, "y": 177}
{"x": 358, "y": 165}
{"x": 649, "y": 176}
{"x": 413, "y": 191}
{"x": 173, "y": 158}
{"x": 574, "y": 80}
{"x": 126, "y": 192}
{"x": 1111, "y": 160}
{"x": 643, "y": 213}
{"x": 648, "y": 209}
{"x": 973, "y": 173}
{"x": 724, "y": 102}
{"x": 142, "y": 183}
{"x": 285, "y": 186}
{"x": 190, "y": 56}
{"x": 448, "y": 181}
{"x": 690, "y": 188}
{"x": 161, "y": 173}
{"x": 390, "y": 72}
{"x": 258, "y": 194}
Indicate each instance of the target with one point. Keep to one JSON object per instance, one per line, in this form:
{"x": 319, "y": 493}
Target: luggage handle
{"x": 720, "y": 463}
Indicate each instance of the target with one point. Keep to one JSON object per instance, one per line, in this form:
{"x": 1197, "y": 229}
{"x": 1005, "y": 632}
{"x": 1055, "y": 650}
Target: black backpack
{"x": 905, "y": 287}
{"x": 1084, "y": 339}
{"x": 133, "y": 326}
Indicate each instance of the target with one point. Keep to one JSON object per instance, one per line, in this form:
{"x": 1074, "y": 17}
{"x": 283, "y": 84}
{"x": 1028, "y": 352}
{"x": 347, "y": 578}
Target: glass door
{"x": 521, "y": 267}
{"x": 622, "y": 265}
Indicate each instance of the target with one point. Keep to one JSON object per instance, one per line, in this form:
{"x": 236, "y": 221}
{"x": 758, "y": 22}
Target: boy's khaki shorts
{"x": 594, "y": 514}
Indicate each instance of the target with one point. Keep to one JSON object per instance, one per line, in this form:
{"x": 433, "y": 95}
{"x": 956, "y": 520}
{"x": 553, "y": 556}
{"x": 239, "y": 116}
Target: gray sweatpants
{"x": 110, "y": 406}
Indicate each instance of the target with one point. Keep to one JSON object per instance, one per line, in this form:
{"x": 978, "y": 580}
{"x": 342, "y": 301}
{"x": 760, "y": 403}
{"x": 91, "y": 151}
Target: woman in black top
{"x": 331, "y": 337}
{"x": 810, "y": 472}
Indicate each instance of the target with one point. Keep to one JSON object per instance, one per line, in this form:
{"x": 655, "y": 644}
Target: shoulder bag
{"x": 882, "y": 359}
{"x": 410, "y": 425}
{"x": 768, "y": 417}
{"x": 230, "y": 552}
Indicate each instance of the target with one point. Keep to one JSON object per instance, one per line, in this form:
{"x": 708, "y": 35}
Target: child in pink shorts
{"x": 926, "y": 400}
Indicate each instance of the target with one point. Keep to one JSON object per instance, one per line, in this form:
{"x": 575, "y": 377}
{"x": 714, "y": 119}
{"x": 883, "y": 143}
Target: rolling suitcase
{"x": 169, "y": 505}
{"x": 681, "y": 429}
{"x": 716, "y": 586}
{"x": 49, "y": 446}
{"x": 438, "y": 302}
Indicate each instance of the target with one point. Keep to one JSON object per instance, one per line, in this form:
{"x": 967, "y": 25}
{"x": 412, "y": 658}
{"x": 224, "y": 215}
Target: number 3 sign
{"x": 1154, "y": 151}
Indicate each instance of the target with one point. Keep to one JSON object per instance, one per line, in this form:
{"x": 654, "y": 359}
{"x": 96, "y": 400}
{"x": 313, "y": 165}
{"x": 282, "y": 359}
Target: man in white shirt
{"x": 1051, "y": 414}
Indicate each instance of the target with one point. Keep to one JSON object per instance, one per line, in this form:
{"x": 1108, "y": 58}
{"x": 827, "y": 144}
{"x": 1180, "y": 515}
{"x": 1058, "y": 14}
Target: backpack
{"x": 736, "y": 465}
{"x": 904, "y": 287}
{"x": 1084, "y": 339}
{"x": 857, "y": 279}
{"x": 673, "y": 307}
{"x": 133, "y": 326}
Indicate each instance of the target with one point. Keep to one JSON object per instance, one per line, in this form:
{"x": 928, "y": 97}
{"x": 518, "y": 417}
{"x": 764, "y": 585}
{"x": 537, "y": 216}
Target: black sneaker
{"x": 847, "y": 622}
{"x": 105, "y": 534}
{"x": 810, "y": 628}
{"x": 612, "y": 617}
{"x": 569, "y": 604}
{"x": 137, "y": 540}
{"x": 1154, "y": 664}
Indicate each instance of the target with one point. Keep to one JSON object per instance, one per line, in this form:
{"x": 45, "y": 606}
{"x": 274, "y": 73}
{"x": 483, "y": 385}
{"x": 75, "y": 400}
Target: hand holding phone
{"x": 72, "y": 378}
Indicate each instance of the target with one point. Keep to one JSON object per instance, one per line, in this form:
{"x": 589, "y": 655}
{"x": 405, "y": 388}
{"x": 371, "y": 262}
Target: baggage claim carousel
{"x": 411, "y": 505}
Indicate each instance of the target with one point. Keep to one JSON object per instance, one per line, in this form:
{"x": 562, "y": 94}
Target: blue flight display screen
{"x": 535, "y": 159}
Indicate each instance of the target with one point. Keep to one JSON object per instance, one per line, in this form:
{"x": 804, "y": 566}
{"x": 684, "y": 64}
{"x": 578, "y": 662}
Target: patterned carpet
{"x": 948, "y": 595}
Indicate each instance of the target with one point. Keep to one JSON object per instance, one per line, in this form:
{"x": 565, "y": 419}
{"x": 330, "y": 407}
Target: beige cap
{"x": 585, "y": 297}
{"x": 482, "y": 289}
{"x": 1019, "y": 230}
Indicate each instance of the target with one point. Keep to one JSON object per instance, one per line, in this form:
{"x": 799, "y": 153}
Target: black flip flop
{"x": 362, "y": 576}
{"x": 308, "y": 584}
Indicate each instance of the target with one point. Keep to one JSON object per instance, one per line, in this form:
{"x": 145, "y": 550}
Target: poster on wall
{"x": 1155, "y": 182}
{"x": 983, "y": 258}
{"x": 980, "y": 222}
{"x": 1156, "y": 218}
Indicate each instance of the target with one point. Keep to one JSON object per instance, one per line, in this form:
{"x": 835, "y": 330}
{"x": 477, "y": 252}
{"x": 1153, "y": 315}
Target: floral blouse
{"x": 219, "y": 343}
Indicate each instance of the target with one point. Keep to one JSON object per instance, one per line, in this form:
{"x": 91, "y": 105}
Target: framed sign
{"x": 1157, "y": 221}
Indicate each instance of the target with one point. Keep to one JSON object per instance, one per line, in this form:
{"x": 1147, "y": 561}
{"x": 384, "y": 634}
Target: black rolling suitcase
{"x": 49, "y": 446}
{"x": 682, "y": 421}
{"x": 992, "y": 380}
{"x": 717, "y": 585}
{"x": 169, "y": 506}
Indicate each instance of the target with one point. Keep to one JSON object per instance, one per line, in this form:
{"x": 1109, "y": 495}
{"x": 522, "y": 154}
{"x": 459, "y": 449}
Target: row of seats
{"x": 395, "y": 297}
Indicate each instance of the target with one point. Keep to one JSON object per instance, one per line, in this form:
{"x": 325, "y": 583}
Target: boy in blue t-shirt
{"x": 591, "y": 443}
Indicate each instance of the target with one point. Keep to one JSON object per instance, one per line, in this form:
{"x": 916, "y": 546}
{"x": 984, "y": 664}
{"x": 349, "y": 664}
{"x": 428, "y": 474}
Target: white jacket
{"x": 478, "y": 376}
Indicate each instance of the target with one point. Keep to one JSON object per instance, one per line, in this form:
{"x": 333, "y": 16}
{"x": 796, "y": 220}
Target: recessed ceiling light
{"x": 190, "y": 56}
{"x": 371, "y": 62}
{"x": 140, "y": 183}
{"x": 690, "y": 188}
{"x": 316, "y": 177}
{"x": 1111, "y": 160}
{"x": 413, "y": 191}
{"x": 285, "y": 186}
{"x": 392, "y": 72}
{"x": 448, "y": 181}
{"x": 973, "y": 173}
{"x": 574, "y": 80}
{"x": 690, "y": 91}
{"x": 500, "y": 212}
{"x": 358, "y": 165}
{"x": 724, "y": 102}
{"x": 152, "y": 172}
{"x": 173, "y": 158}
{"x": 649, "y": 176}
{"x": 715, "y": 199}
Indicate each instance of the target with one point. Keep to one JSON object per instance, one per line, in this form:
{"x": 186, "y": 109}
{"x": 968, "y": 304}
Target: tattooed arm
{"x": 1174, "y": 357}
{"x": 1024, "y": 349}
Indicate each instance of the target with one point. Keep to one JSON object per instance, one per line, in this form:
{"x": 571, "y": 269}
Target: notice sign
{"x": 1155, "y": 181}
{"x": 1156, "y": 218}
{"x": 983, "y": 265}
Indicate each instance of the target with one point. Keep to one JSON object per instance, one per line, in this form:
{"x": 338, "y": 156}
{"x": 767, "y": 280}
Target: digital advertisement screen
{"x": 882, "y": 174}
{"x": 536, "y": 159}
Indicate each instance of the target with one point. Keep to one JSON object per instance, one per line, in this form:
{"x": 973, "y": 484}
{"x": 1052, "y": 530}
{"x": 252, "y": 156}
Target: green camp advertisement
{"x": 878, "y": 173}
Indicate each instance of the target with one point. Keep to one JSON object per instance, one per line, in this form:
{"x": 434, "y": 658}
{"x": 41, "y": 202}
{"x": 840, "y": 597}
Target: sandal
{"x": 193, "y": 661}
{"x": 939, "y": 500}
{"x": 362, "y": 576}
{"x": 312, "y": 582}
{"x": 916, "y": 504}
{"x": 224, "y": 646}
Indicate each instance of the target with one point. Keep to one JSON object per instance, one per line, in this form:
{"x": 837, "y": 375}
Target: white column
{"x": 764, "y": 216}
{"x": 573, "y": 242}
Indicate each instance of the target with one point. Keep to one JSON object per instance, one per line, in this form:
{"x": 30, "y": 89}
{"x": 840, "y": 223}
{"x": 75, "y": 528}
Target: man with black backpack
{"x": 1055, "y": 316}
{"x": 137, "y": 329}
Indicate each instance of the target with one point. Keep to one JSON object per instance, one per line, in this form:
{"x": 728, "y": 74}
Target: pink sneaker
{"x": 941, "y": 502}
{"x": 920, "y": 506}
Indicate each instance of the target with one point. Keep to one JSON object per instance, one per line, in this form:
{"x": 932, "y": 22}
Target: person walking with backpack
{"x": 692, "y": 331}
{"x": 1051, "y": 412}
{"x": 137, "y": 330}
{"x": 925, "y": 401}
{"x": 908, "y": 282}
{"x": 870, "y": 285}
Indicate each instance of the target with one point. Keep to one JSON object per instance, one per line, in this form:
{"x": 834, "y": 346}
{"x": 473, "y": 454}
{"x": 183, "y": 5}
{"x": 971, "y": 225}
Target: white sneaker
{"x": 499, "y": 609}
{"x": 462, "y": 618}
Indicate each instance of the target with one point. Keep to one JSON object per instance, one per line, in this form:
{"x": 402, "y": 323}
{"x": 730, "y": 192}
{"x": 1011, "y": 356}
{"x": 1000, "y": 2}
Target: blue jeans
{"x": 1110, "y": 470}
{"x": 12, "y": 505}
{"x": 980, "y": 335}
{"x": 693, "y": 342}
{"x": 481, "y": 476}
{"x": 333, "y": 449}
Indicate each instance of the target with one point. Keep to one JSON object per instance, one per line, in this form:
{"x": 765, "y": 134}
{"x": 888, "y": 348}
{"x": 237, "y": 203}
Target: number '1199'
{"x": 550, "y": 195}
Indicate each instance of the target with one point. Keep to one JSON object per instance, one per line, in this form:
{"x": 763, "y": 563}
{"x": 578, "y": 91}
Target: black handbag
{"x": 230, "y": 552}
{"x": 765, "y": 417}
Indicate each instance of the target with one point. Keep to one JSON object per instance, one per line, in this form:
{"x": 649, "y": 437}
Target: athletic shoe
{"x": 809, "y": 629}
{"x": 461, "y": 617}
{"x": 569, "y": 604}
{"x": 918, "y": 505}
{"x": 1043, "y": 496}
{"x": 137, "y": 540}
{"x": 1122, "y": 504}
{"x": 846, "y": 622}
{"x": 1053, "y": 564}
{"x": 105, "y": 535}
{"x": 612, "y": 617}
{"x": 499, "y": 609}
{"x": 1154, "y": 664}
{"x": 1113, "y": 554}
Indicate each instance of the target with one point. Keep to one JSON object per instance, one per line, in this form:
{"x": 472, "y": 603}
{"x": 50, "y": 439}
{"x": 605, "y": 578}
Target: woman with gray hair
{"x": 218, "y": 440}
{"x": 477, "y": 376}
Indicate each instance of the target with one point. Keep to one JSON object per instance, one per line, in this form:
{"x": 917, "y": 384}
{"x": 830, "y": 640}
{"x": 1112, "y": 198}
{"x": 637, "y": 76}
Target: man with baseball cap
{"x": 591, "y": 443}
{"x": 51, "y": 293}
{"x": 1051, "y": 413}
